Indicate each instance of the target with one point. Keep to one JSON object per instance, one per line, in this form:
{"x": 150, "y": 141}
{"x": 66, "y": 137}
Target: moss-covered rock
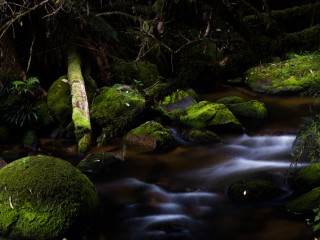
{"x": 45, "y": 116}
{"x": 307, "y": 178}
{"x": 306, "y": 202}
{"x": 151, "y": 135}
{"x": 201, "y": 136}
{"x": 239, "y": 107}
{"x": 210, "y": 115}
{"x": 297, "y": 73}
{"x": 116, "y": 109}
{"x": 253, "y": 190}
{"x": 59, "y": 100}
{"x": 43, "y": 197}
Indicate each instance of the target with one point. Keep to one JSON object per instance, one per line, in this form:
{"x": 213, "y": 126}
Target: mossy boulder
{"x": 306, "y": 202}
{"x": 151, "y": 135}
{"x": 307, "y": 178}
{"x": 30, "y": 140}
{"x": 59, "y": 101}
{"x": 210, "y": 115}
{"x": 201, "y": 136}
{"x": 253, "y": 190}
{"x": 116, "y": 109}
{"x": 43, "y": 197}
{"x": 296, "y": 74}
{"x": 240, "y": 107}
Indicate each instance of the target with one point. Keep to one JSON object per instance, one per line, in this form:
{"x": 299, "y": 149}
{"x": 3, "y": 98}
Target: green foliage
{"x": 315, "y": 222}
{"x": 20, "y": 108}
{"x": 306, "y": 146}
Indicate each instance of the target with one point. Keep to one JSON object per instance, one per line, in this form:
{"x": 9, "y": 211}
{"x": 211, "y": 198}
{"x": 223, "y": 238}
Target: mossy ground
{"x": 44, "y": 198}
{"x": 293, "y": 75}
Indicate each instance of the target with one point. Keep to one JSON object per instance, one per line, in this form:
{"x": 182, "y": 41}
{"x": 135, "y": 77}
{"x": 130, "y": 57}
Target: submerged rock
{"x": 43, "y": 197}
{"x": 151, "y": 135}
{"x": 253, "y": 190}
{"x": 210, "y": 115}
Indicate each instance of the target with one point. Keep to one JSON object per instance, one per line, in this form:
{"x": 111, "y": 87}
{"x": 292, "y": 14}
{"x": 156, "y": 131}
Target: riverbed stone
{"x": 42, "y": 197}
{"x": 151, "y": 135}
{"x": 297, "y": 73}
{"x": 116, "y": 109}
{"x": 253, "y": 190}
{"x": 210, "y": 115}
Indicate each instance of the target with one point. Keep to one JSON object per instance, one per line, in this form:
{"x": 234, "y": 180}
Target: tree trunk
{"x": 80, "y": 107}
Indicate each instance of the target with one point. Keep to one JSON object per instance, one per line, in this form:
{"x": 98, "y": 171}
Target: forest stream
{"x": 183, "y": 193}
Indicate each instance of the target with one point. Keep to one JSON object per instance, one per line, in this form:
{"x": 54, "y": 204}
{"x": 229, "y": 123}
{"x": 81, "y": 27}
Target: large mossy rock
{"x": 210, "y": 115}
{"x": 240, "y": 107}
{"x": 306, "y": 202}
{"x": 116, "y": 109}
{"x": 59, "y": 101}
{"x": 307, "y": 178}
{"x": 253, "y": 190}
{"x": 151, "y": 135}
{"x": 43, "y": 197}
{"x": 139, "y": 73}
{"x": 296, "y": 74}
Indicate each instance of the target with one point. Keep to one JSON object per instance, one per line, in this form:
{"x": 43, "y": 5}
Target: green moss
{"x": 82, "y": 123}
{"x": 147, "y": 73}
{"x": 84, "y": 143}
{"x": 306, "y": 202}
{"x": 59, "y": 100}
{"x": 45, "y": 116}
{"x": 42, "y": 197}
{"x": 231, "y": 100}
{"x": 295, "y": 74}
{"x": 205, "y": 114}
{"x": 174, "y": 97}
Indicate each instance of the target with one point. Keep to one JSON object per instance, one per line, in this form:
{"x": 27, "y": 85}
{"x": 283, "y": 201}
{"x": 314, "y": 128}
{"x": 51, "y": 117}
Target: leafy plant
{"x": 20, "y": 106}
{"x": 315, "y": 222}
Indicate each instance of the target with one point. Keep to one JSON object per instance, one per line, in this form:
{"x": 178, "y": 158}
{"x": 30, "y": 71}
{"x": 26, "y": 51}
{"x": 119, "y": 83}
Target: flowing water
{"x": 183, "y": 193}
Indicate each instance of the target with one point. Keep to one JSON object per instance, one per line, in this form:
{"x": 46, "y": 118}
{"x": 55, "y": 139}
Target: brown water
{"x": 182, "y": 194}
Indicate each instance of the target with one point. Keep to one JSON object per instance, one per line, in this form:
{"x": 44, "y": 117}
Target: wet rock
{"x": 10, "y": 155}
{"x": 307, "y": 178}
{"x": 97, "y": 164}
{"x": 151, "y": 135}
{"x": 253, "y": 190}
{"x": 305, "y": 203}
{"x": 201, "y": 136}
{"x": 42, "y": 197}
{"x": 240, "y": 107}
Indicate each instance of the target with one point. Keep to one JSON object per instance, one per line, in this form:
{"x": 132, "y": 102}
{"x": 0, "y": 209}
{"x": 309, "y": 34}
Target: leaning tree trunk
{"x": 80, "y": 107}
